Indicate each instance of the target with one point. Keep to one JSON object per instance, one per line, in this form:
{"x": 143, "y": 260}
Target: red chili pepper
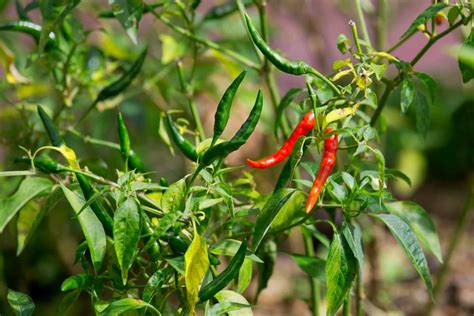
{"x": 304, "y": 127}
{"x": 439, "y": 18}
{"x": 325, "y": 168}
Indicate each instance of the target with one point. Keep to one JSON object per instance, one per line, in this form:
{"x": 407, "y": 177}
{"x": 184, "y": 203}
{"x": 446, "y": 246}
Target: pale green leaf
{"x": 225, "y": 296}
{"x": 21, "y": 303}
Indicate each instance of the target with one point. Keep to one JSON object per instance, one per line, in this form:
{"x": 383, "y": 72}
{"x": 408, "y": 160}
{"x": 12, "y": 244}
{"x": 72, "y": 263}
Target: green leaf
{"x": 173, "y": 198}
{"x": 291, "y": 212}
{"x": 67, "y": 301}
{"x": 29, "y": 188}
{"x": 268, "y": 214}
{"x": 407, "y": 240}
{"x": 228, "y": 247}
{"x": 429, "y": 84}
{"x": 224, "y": 308}
{"x": 353, "y": 236}
{"x": 429, "y": 13}
{"x": 467, "y": 69}
{"x": 196, "y": 266}
{"x": 268, "y": 252}
{"x": 29, "y": 218}
{"x": 420, "y": 222}
{"x": 348, "y": 180}
{"x": 312, "y": 266}
{"x": 284, "y": 103}
{"x": 154, "y": 284}
{"x": 233, "y": 297}
{"x": 341, "y": 269}
{"x": 126, "y": 234}
{"x": 128, "y": 13}
{"x": 90, "y": 225}
{"x": 407, "y": 94}
{"x": 53, "y": 11}
{"x": 21, "y": 303}
{"x": 245, "y": 275}
{"x": 171, "y": 49}
{"x": 78, "y": 281}
{"x": 126, "y": 304}
{"x": 423, "y": 113}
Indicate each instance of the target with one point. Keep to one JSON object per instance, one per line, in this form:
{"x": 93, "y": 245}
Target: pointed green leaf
{"x": 78, "y": 281}
{"x": 91, "y": 227}
{"x": 429, "y": 84}
{"x": 233, "y": 297}
{"x": 341, "y": 269}
{"x": 407, "y": 240}
{"x": 126, "y": 304}
{"x": 245, "y": 275}
{"x": 129, "y": 14}
{"x": 154, "y": 284}
{"x": 420, "y": 222}
{"x": 312, "y": 266}
{"x": 174, "y": 196}
{"x": 127, "y": 234}
{"x": 353, "y": 236}
{"x": 429, "y": 13}
{"x": 423, "y": 113}
{"x": 21, "y": 303}
{"x": 29, "y": 188}
{"x": 29, "y": 218}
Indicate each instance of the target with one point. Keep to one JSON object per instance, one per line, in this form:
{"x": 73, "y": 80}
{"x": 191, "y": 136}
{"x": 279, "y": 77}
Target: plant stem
{"x": 241, "y": 59}
{"x": 453, "y": 244}
{"x": 394, "y": 83}
{"x": 192, "y": 105}
{"x": 363, "y": 25}
{"x": 359, "y": 296}
{"x": 355, "y": 35}
{"x": 382, "y": 16}
{"x": 346, "y": 308}
{"x": 314, "y": 283}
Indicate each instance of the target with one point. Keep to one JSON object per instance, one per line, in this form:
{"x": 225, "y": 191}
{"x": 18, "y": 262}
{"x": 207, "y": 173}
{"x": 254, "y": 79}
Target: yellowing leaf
{"x": 230, "y": 65}
{"x": 386, "y": 56}
{"x": 339, "y": 114}
{"x": 341, "y": 74}
{"x": 196, "y": 266}
{"x": 170, "y": 49}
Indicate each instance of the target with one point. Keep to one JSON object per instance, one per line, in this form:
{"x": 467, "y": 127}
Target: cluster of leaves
{"x": 169, "y": 239}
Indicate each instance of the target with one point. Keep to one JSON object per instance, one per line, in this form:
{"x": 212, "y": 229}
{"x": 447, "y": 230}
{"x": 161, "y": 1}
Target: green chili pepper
{"x": 54, "y": 136}
{"x": 135, "y": 163}
{"x": 223, "y": 149}
{"x": 188, "y": 149}
{"x": 285, "y": 65}
{"x": 224, "y": 10}
{"x": 223, "y": 108}
{"x": 119, "y": 85}
{"x": 154, "y": 250}
{"x": 30, "y": 28}
{"x": 226, "y": 276}
{"x": 96, "y": 206}
{"x": 179, "y": 246}
{"x": 43, "y": 163}
{"x": 124, "y": 138}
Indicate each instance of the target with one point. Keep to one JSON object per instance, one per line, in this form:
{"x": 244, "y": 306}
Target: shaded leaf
{"x": 21, "y": 303}
{"x": 29, "y": 188}
{"x": 128, "y": 13}
{"x": 155, "y": 283}
{"x": 341, "y": 269}
{"x": 126, "y": 234}
{"x": 29, "y": 218}
{"x": 407, "y": 94}
{"x": 353, "y": 236}
{"x": 312, "y": 266}
{"x": 467, "y": 69}
{"x": 126, "y": 304}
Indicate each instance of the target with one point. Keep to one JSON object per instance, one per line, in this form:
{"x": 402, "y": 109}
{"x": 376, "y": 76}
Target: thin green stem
{"x": 363, "y": 25}
{"x": 192, "y": 105}
{"x": 346, "y": 308}
{"x": 382, "y": 20}
{"x": 355, "y": 35}
{"x": 239, "y": 58}
{"x": 453, "y": 245}
{"x": 396, "y": 81}
{"x": 314, "y": 283}
{"x": 359, "y": 296}
{"x": 316, "y": 73}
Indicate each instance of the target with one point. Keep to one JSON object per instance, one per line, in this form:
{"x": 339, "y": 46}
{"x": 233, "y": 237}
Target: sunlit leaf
{"x": 91, "y": 227}
{"x": 233, "y": 297}
{"x": 420, "y": 222}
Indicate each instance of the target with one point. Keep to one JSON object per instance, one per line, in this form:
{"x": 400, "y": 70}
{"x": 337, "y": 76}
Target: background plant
{"x": 161, "y": 246}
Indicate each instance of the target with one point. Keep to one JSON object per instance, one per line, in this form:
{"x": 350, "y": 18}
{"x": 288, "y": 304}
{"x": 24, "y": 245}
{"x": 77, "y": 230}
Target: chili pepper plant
{"x": 156, "y": 244}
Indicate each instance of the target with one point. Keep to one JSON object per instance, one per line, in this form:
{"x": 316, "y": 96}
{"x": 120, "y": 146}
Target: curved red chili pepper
{"x": 304, "y": 127}
{"x": 325, "y": 168}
